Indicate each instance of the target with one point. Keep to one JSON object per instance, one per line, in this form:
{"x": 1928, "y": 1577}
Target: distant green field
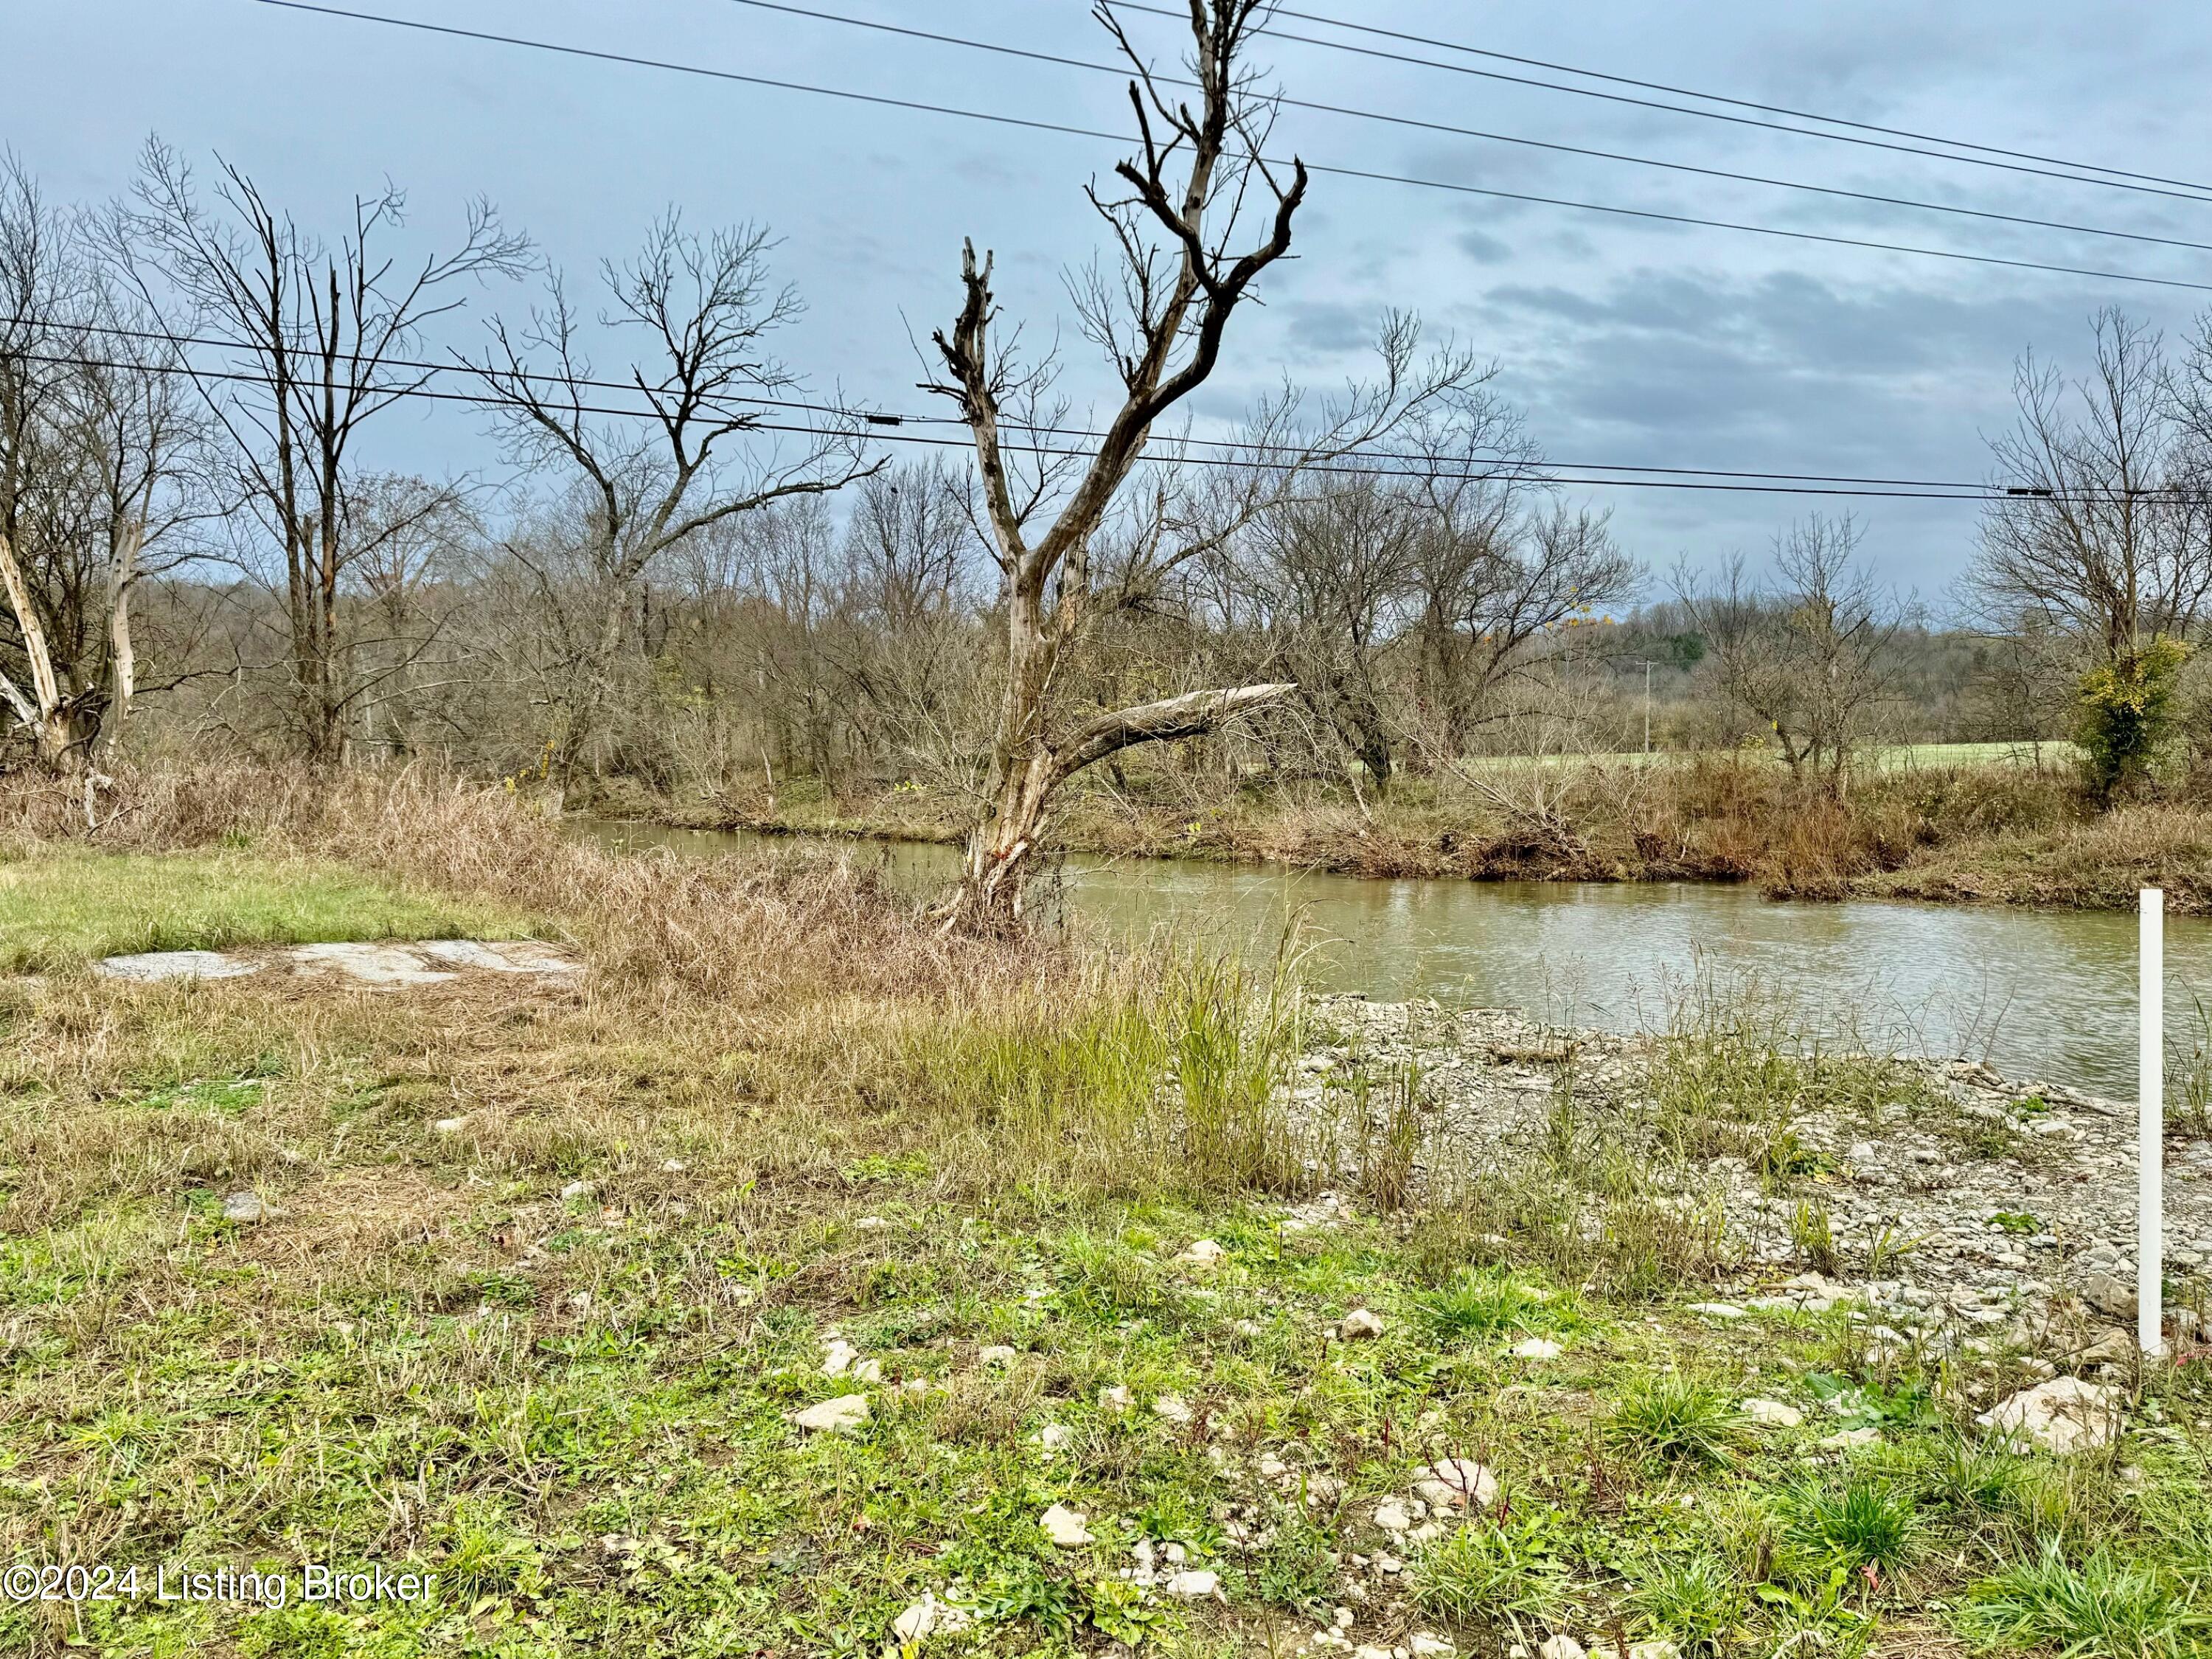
{"x": 1895, "y": 757}
{"x": 1908, "y": 756}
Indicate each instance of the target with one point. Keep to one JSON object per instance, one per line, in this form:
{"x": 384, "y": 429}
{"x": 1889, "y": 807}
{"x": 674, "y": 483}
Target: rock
{"x": 449, "y": 1125}
{"x": 1560, "y": 1647}
{"x": 673, "y": 1166}
{"x": 1055, "y": 1436}
{"x": 371, "y": 964}
{"x": 1193, "y": 1583}
{"x": 1066, "y": 1527}
{"x": 1116, "y": 1399}
{"x": 1658, "y": 1648}
{"x": 1455, "y": 1484}
{"x": 866, "y": 1371}
{"x": 1393, "y": 1517}
{"x": 1852, "y": 1439}
{"x": 577, "y": 1189}
{"x": 1425, "y": 1644}
{"x": 1773, "y": 1414}
{"x": 846, "y": 1412}
{"x": 154, "y": 965}
{"x": 1360, "y": 1325}
{"x": 930, "y": 1617}
{"x": 996, "y": 1354}
{"x": 871, "y": 1224}
{"x": 2114, "y": 1347}
{"x": 2108, "y": 1296}
{"x": 506, "y": 955}
{"x": 1202, "y": 1252}
{"x": 1717, "y": 1309}
{"x": 1172, "y": 1409}
{"x": 838, "y": 1358}
{"x": 243, "y": 1208}
{"x": 1535, "y": 1348}
{"x": 2064, "y": 1415}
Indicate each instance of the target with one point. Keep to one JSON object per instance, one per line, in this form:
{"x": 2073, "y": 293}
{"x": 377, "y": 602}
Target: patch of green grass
{"x": 63, "y": 907}
{"x": 1674, "y": 1417}
{"x": 1489, "y": 1571}
{"x": 1490, "y": 1303}
{"x": 1867, "y": 1522}
{"x": 2105, "y": 1607}
{"x": 1693, "y": 1600}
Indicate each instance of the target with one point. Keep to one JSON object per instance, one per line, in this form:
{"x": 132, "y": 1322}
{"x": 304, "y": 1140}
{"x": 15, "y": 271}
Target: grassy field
{"x": 544, "y": 1282}
{"x": 67, "y": 907}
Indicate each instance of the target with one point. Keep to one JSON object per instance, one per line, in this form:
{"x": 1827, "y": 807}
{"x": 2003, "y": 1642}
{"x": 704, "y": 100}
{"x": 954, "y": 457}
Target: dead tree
{"x": 1182, "y": 198}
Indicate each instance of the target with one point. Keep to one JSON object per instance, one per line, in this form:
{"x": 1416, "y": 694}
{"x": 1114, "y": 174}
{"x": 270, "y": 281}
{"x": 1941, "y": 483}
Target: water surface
{"x": 2049, "y": 994}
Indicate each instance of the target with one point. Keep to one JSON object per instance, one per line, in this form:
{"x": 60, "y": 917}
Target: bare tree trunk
{"x": 51, "y": 729}
{"x": 123, "y": 657}
{"x": 1000, "y": 851}
{"x": 1165, "y": 333}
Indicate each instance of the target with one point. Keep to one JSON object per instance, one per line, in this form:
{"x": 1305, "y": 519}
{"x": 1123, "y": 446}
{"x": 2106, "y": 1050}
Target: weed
{"x": 1813, "y": 1236}
{"x": 2105, "y": 1607}
{"x": 1484, "y": 1304}
{"x": 1486, "y": 1571}
{"x": 1670, "y": 1416}
{"x": 1868, "y": 1523}
{"x": 1695, "y": 1599}
{"x": 1887, "y": 1248}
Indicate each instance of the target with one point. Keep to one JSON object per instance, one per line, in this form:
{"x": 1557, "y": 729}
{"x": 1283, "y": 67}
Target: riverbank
{"x": 792, "y": 1280}
{"x": 1984, "y": 833}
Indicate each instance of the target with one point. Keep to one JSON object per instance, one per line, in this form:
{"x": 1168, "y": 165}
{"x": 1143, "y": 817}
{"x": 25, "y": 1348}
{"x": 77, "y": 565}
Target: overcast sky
{"x": 1622, "y": 341}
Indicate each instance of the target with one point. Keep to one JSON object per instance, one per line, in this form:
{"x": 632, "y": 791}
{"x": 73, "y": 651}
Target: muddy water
{"x": 2044, "y": 995}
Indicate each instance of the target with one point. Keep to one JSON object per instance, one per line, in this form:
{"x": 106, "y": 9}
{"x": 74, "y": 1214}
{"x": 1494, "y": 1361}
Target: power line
{"x": 1423, "y": 125}
{"x": 1737, "y": 103}
{"x": 1533, "y": 472}
{"x": 878, "y": 419}
{"x": 2119, "y": 183}
{"x": 1367, "y": 175}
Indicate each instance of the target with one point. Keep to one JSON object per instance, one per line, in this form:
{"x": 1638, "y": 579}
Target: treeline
{"x": 700, "y": 575}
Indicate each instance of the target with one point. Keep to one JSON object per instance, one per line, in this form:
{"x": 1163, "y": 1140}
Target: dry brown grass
{"x": 744, "y": 931}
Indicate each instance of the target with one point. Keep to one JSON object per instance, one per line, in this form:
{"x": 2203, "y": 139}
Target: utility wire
{"x": 1706, "y": 114}
{"x": 873, "y": 418}
{"x": 1736, "y": 103}
{"x": 1288, "y": 102}
{"x": 1533, "y": 471}
{"x": 1368, "y": 175}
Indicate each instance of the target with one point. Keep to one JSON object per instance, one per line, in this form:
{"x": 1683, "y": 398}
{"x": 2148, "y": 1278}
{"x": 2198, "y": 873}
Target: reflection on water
{"x": 2046, "y": 994}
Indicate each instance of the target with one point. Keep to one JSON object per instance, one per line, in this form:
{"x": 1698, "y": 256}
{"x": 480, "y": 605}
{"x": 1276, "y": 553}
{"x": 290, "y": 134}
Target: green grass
{"x": 1673, "y": 1417}
{"x": 62, "y": 909}
{"x": 2103, "y": 1606}
{"x": 576, "y": 1410}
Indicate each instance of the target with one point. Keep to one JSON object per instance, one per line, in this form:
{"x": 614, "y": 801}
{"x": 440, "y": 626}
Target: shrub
{"x": 2125, "y": 710}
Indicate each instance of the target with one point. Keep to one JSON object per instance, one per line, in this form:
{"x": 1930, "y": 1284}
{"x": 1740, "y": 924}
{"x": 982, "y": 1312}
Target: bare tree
{"x": 1808, "y": 652}
{"x": 2103, "y": 531}
{"x": 1322, "y": 581}
{"x": 1179, "y": 211}
{"x": 91, "y": 444}
{"x": 706, "y": 311}
{"x": 316, "y": 338}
